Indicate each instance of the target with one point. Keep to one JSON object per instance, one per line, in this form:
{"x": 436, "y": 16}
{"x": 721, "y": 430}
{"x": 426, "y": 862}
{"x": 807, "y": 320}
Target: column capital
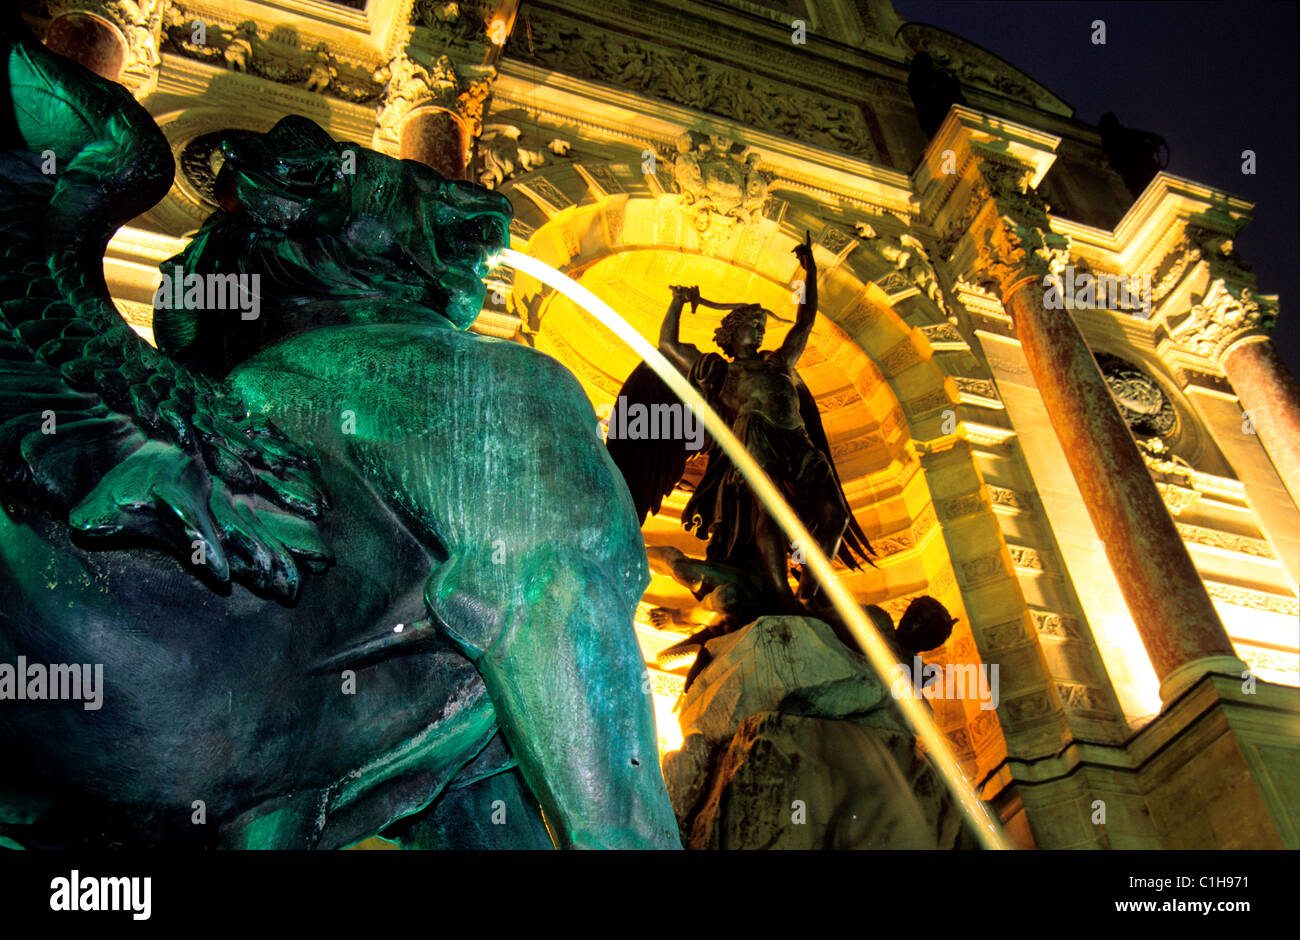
{"x": 977, "y": 186}
{"x": 138, "y": 24}
{"x": 1229, "y": 315}
{"x": 1008, "y": 229}
{"x": 411, "y": 85}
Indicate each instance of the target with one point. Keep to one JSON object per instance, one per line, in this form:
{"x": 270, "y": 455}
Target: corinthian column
{"x": 1170, "y": 606}
{"x": 432, "y": 114}
{"x": 1228, "y": 327}
{"x": 115, "y": 39}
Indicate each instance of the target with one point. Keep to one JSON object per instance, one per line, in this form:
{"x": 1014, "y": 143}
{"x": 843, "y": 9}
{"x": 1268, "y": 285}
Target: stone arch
{"x": 910, "y": 475}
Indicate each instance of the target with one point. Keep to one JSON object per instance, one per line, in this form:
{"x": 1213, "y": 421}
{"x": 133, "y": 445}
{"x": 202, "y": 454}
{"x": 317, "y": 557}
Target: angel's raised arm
{"x": 682, "y": 355}
{"x": 797, "y": 339}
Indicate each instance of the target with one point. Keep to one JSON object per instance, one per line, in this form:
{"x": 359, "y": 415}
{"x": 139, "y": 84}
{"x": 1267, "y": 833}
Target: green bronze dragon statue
{"x": 349, "y": 569}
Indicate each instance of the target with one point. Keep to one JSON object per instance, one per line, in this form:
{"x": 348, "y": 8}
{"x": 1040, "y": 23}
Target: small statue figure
{"x": 239, "y": 53}
{"x": 322, "y": 72}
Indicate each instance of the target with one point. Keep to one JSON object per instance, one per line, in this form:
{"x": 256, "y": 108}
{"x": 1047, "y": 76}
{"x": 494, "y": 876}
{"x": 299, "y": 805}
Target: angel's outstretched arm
{"x": 682, "y": 355}
{"x": 795, "y": 341}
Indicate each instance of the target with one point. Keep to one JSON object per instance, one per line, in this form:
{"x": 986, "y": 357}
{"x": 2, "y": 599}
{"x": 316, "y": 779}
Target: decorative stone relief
{"x": 1244, "y": 597}
{"x": 911, "y": 266}
{"x": 962, "y": 506}
{"x": 409, "y": 84}
{"x": 1004, "y": 636}
{"x": 1023, "y": 557}
{"x": 1177, "y": 498}
{"x": 1002, "y": 496}
{"x": 719, "y": 181}
{"x": 902, "y": 355}
{"x": 1028, "y": 707}
{"x": 455, "y": 22}
{"x": 1227, "y": 541}
{"x": 1050, "y": 623}
{"x": 1145, "y": 407}
{"x": 1016, "y": 241}
{"x": 977, "y": 388}
{"x": 316, "y": 68}
{"x": 589, "y": 52}
{"x": 503, "y": 154}
{"x": 1082, "y": 697}
{"x": 139, "y": 24}
{"x": 944, "y": 337}
{"x": 1226, "y": 315}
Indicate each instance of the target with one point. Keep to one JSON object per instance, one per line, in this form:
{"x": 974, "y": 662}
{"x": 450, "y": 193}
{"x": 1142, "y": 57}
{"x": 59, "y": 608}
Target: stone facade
{"x": 658, "y": 143}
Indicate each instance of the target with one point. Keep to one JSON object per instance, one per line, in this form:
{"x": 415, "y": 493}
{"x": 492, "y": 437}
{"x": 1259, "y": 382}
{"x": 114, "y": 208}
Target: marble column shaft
{"x": 1163, "y": 590}
{"x": 1271, "y": 397}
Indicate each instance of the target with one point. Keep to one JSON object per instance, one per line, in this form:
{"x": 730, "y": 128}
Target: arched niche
{"x": 890, "y": 411}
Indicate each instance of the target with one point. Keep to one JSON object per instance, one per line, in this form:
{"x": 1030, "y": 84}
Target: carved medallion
{"x": 1144, "y": 405}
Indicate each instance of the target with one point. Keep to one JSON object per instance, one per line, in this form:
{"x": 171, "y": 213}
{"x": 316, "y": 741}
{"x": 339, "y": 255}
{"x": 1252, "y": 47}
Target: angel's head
{"x": 741, "y": 329}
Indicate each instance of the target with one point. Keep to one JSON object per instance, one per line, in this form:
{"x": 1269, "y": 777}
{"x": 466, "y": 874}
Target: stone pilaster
{"x": 1011, "y": 248}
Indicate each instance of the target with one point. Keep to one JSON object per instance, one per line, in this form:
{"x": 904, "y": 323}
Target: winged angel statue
{"x": 772, "y": 412}
{"x": 746, "y": 569}
{"x": 345, "y": 568}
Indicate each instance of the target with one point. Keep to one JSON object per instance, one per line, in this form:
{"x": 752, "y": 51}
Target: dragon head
{"x": 336, "y": 234}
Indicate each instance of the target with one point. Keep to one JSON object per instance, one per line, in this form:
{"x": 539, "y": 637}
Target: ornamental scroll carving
{"x": 719, "y": 181}
{"x": 409, "y": 85}
{"x": 1226, "y": 315}
{"x": 138, "y": 23}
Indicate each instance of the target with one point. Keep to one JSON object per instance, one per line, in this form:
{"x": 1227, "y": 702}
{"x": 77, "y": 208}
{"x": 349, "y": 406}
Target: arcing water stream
{"x": 982, "y": 821}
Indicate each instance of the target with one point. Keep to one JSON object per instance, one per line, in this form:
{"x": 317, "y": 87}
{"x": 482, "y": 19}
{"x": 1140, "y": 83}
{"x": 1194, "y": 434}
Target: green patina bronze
{"x": 349, "y": 569}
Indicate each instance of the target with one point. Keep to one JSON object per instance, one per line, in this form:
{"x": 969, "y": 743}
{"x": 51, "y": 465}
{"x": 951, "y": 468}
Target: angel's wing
{"x": 854, "y": 547}
{"x": 95, "y": 425}
{"x": 651, "y": 468}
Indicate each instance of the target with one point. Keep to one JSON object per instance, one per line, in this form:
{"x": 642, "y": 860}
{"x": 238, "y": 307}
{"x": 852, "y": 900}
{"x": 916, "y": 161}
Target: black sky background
{"x": 1213, "y": 79}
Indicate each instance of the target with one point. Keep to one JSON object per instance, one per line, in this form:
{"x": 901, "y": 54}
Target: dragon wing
{"x": 854, "y": 547}
{"x": 651, "y": 468}
{"x": 96, "y": 426}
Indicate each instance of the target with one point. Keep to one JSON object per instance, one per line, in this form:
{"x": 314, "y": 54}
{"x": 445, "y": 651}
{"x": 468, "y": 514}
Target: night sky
{"x": 1213, "y": 79}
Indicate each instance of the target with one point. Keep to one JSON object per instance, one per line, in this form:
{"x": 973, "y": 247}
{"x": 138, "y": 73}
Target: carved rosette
{"x": 1226, "y": 316}
{"x": 139, "y": 26}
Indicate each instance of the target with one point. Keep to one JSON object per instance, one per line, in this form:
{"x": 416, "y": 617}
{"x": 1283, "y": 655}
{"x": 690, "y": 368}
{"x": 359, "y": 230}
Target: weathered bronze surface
{"x": 347, "y": 568}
